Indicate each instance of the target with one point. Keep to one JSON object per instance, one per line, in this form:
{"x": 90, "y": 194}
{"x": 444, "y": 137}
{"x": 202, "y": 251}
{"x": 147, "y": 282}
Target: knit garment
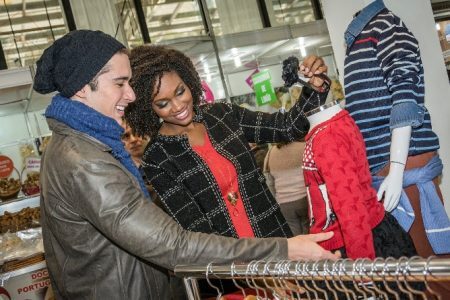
{"x": 226, "y": 177}
{"x": 186, "y": 186}
{"x": 384, "y": 84}
{"x": 435, "y": 219}
{"x": 83, "y": 118}
{"x": 339, "y": 185}
{"x": 72, "y": 61}
{"x": 285, "y": 165}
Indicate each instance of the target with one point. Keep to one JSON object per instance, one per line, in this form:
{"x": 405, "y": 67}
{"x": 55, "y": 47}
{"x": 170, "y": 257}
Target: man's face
{"x": 135, "y": 145}
{"x": 113, "y": 92}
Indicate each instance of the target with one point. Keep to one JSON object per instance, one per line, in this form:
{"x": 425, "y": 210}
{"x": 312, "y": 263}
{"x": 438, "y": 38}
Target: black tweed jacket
{"x": 187, "y": 187}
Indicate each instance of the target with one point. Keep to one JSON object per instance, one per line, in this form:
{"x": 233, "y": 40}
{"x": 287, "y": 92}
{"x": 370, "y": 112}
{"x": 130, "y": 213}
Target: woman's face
{"x": 174, "y": 103}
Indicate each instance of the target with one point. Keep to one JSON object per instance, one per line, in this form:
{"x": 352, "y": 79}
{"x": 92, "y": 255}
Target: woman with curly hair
{"x": 199, "y": 161}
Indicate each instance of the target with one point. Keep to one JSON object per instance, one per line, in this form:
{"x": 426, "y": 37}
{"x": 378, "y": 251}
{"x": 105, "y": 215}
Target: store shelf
{"x": 16, "y": 92}
{"x": 18, "y": 204}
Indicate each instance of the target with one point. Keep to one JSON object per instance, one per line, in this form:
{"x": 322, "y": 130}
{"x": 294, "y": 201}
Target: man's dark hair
{"x": 148, "y": 64}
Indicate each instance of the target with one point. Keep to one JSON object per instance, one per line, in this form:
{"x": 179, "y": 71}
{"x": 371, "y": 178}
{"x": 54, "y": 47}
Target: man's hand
{"x": 306, "y": 247}
{"x": 311, "y": 66}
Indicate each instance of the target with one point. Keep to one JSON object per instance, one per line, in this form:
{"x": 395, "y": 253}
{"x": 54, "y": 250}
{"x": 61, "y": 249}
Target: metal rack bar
{"x": 413, "y": 269}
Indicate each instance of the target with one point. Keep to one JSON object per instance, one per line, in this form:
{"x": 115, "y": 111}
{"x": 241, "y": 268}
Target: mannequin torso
{"x": 323, "y": 113}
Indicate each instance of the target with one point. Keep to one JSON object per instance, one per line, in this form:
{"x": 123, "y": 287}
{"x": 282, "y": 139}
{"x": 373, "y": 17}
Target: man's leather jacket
{"x": 103, "y": 238}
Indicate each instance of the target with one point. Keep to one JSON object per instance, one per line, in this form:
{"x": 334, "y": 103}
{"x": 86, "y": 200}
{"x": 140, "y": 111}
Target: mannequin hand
{"x": 306, "y": 247}
{"x": 313, "y": 65}
{"x": 392, "y": 187}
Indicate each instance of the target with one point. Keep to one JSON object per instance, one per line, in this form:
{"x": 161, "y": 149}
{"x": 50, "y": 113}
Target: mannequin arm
{"x": 392, "y": 185}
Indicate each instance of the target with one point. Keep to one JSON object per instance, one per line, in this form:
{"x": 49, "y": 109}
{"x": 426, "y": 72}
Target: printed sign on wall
{"x": 265, "y": 94}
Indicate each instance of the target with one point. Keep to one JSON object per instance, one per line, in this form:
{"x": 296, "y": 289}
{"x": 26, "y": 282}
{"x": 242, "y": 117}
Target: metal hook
{"x": 305, "y": 271}
{"x": 426, "y": 273}
{"x": 341, "y": 271}
{"x": 247, "y": 277}
{"x": 210, "y": 270}
{"x": 407, "y": 273}
{"x": 373, "y": 271}
{"x": 386, "y": 284}
{"x": 233, "y": 273}
{"x": 326, "y": 272}
{"x": 334, "y": 281}
{"x": 256, "y": 273}
{"x": 315, "y": 270}
{"x": 355, "y": 284}
{"x": 362, "y": 271}
{"x": 294, "y": 289}
{"x": 298, "y": 273}
{"x": 397, "y": 277}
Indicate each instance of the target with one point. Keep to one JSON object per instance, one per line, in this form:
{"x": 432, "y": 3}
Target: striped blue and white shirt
{"x": 384, "y": 84}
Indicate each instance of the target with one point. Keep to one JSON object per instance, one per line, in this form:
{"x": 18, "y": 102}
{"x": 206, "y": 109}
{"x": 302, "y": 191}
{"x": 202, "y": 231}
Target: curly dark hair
{"x": 148, "y": 64}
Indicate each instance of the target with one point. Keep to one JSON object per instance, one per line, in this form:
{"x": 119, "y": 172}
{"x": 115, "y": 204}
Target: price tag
{"x": 33, "y": 164}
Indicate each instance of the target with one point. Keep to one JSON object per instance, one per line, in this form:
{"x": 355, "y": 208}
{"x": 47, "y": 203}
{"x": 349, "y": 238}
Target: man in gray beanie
{"x": 102, "y": 236}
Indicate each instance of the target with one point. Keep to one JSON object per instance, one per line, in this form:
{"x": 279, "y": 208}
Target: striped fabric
{"x": 186, "y": 186}
{"x": 384, "y": 84}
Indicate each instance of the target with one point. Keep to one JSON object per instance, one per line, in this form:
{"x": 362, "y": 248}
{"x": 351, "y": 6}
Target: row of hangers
{"x": 389, "y": 278}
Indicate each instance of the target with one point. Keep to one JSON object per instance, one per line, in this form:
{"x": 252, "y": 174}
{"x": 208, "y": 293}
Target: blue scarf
{"x": 435, "y": 219}
{"x": 89, "y": 121}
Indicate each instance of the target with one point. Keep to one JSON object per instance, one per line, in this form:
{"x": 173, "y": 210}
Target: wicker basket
{"x": 11, "y": 194}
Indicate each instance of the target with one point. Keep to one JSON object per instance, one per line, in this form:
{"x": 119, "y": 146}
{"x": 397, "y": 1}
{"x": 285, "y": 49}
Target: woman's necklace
{"x": 230, "y": 193}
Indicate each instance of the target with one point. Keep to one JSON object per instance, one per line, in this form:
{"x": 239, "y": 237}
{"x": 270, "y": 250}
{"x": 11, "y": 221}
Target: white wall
{"x": 418, "y": 16}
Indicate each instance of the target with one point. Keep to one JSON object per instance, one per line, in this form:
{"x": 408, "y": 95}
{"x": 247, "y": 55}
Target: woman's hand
{"x": 311, "y": 67}
{"x": 305, "y": 247}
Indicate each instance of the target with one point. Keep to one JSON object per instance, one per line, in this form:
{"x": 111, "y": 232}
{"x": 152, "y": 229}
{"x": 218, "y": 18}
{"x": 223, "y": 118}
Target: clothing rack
{"x": 325, "y": 279}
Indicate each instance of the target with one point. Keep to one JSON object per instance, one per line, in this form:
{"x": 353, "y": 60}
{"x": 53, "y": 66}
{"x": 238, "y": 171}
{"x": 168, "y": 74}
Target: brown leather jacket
{"x": 103, "y": 238}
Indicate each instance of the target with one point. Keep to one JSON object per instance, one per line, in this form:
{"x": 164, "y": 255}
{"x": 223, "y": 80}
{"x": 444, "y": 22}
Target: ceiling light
{"x": 237, "y": 62}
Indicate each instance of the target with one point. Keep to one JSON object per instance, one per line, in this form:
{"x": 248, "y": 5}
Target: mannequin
{"x": 340, "y": 195}
{"x": 384, "y": 85}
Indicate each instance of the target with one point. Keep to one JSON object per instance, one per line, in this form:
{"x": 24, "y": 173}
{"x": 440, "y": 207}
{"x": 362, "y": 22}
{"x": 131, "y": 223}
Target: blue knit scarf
{"x": 89, "y": 121}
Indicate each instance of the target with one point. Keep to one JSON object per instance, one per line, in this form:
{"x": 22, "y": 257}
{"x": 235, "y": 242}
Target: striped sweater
{"x": 384, "y": 84}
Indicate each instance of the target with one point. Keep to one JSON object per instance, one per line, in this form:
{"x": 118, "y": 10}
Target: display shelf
{"x": 16, "y": 205}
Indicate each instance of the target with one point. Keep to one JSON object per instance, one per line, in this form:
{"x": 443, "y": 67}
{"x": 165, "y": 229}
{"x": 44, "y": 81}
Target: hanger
{"x": 353, "y": 278}
{"x": 427, "y": 272}
{"x": 327, "y": 272}
{"x": 339, "y": 288}
{"x": 407, "y": 274}
{"x": 373, "y": 272}
{"x": 255, "y": 272}
{"x": 209, "y": 269}
{"x": 386, "y": 284}
{"x": 298, "y": 273}
{"x": 315, "y": 274}
{"x": 233, "y": 274}
{"x": 362, "y": 272}
{"x": 397, "y": 277}
{"x": 305, "y": 273}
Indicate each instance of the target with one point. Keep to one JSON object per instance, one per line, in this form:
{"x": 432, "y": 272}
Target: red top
{"x": 339, "y": 186}
{"x": 226, "y": 177}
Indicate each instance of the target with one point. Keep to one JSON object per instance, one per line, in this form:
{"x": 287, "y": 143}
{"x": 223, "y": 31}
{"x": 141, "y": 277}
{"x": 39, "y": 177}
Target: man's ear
{"x": 81, "y": 94}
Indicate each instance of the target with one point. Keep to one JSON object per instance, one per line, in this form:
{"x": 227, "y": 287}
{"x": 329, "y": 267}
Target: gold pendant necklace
{"x": 233, "y": 197}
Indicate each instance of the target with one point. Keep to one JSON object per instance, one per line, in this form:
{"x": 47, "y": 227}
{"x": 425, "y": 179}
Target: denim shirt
{"x": 358, "y": 23}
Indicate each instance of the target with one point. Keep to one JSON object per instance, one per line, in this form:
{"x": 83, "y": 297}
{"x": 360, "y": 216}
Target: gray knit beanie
{"x": 72, "y": 61}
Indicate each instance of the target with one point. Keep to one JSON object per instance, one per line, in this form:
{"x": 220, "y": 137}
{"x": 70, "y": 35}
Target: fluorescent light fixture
{"x": 237, "y": 62}
{"x": 303, "y": 51}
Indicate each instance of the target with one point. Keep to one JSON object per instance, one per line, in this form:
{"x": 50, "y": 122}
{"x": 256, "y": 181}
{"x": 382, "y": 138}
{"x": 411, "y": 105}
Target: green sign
{"x": 265, "y": 94}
